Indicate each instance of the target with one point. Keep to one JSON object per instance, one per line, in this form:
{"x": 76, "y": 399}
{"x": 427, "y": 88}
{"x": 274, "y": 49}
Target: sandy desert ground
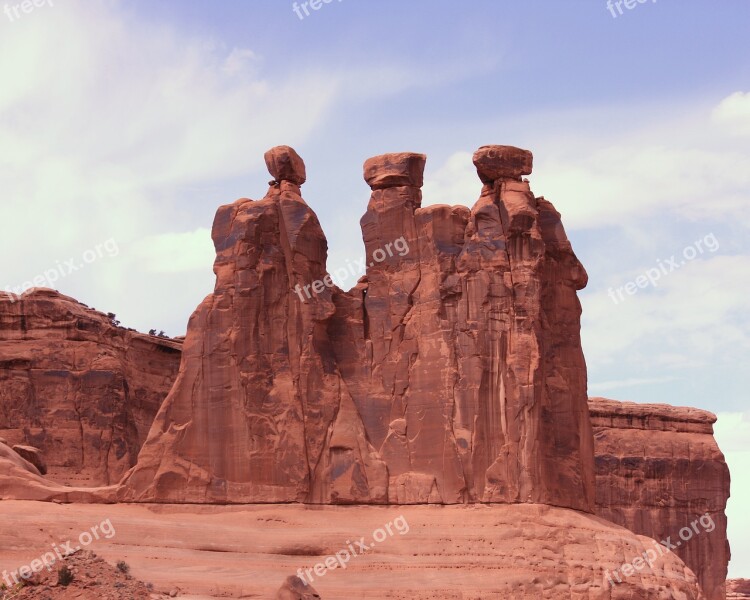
{"x": 431, "y": 552}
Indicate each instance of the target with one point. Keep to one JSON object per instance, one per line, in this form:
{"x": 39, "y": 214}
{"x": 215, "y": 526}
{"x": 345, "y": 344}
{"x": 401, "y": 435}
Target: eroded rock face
{"x": 16, "y": 460}
{"x": 284, "y": 164}
{"x": 461, "y": 348}
{"x": 259, "y": 411}
{"x": 451, "y": 373}
{"x": 499, "y": 162}
{"x": 659, "y": 470}
{"x": 738, "y": 589}
{"x": 32, "y": 455}
{"x": 296, "y": 589}
{"x": 20, "y": 480}
{"x": 78, "y": 388}
{"x": 393, "y": 170}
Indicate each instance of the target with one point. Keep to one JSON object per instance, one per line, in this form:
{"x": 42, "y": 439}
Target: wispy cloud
{"x": 175, "y": 252}
{"x": 695, "y": 317}
{"x": 605, "y": 386}
{"x": 110, "y": 127}
{"x": 733, "y": 113}
{"x": 690, "y": 166}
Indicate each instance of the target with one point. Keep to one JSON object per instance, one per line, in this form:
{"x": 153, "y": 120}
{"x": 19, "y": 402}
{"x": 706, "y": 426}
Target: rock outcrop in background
{"x": 659, "y": 469}
{"x": 452, "y": 373}
{"x": 80, "y": 389}
{"x": 738, "y": 589}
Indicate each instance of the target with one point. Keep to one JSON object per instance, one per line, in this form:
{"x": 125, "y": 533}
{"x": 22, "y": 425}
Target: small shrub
{"x": 123, "y": 567}
{"x": 64, "y": 576}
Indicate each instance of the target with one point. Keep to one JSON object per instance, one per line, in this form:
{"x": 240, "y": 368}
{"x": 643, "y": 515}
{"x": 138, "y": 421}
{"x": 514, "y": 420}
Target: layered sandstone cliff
{"x": 452, "y": 373}
{"x": 738, "y": 589}
{"x": 660, "y": 473}
{"x": 77, "y": 387}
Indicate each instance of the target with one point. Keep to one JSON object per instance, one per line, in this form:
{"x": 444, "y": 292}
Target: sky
{"x": 124, "y": 125}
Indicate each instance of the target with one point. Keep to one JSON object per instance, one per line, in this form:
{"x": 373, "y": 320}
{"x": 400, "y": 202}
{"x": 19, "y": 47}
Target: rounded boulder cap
{"x": 394, "y": 170}
{"x": 502, "y": 162}
{"x": 284, "y": 164}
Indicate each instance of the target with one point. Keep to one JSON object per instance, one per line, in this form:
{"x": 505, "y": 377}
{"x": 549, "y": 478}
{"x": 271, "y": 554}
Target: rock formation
{"x": 296, "y": 589}
{"x": 21, "y": 480}
{"x": 451, "y": 373}
{"x": 259, "y": 411}
{"x": 463, "y": 353}
{"x": 659, "y": 470}
{"x": 15, "y": 460}
{"x": 34, "y": 456}
{"x": 77, "y": 387}
{"x": 738, "y": 589}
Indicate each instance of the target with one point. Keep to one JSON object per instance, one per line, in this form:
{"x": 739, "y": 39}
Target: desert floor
{"x": 459, "y": 552}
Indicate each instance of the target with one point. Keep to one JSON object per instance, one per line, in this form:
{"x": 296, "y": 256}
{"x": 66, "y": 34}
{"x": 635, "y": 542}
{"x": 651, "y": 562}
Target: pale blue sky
{"x": 134, "y": 120}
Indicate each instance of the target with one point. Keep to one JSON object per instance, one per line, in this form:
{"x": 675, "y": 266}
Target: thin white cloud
{"x": 175, "y": 252}
{"x": 733, "y": 113}
{"x": 120, "y": 133}
{"x": 635, "y": 182}
{"x": 606, "y": 386}
{"x": 454, "y": 182}
{"x": 104, "y": 122}
{"x": 689, "y": 166}
{"x": 239, "y": 60}
{"x": 696, "y": 315}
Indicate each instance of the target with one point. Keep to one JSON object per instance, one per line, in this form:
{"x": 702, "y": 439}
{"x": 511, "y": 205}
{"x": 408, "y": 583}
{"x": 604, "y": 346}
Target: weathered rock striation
{"x": 451, "y": 373}
{"x": 21, "y": 480}
{"x": 659, "y": 470}
{"x": 80, "y": 389}
{"x": 13, "y": 459}
{"x": 32, "y": 455}
{"x": 463, "y": 353}
{"x": 259, "y": 411}
{"x": 738, "y": 589}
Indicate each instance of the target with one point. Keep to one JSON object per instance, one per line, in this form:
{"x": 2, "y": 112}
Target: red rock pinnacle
{"x": 452, "y": 373}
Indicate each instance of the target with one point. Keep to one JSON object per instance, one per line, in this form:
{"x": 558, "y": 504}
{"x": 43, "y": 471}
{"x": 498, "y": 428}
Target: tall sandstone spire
{"x": 451, "y": 373}
{"x": 470, "y": 378}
